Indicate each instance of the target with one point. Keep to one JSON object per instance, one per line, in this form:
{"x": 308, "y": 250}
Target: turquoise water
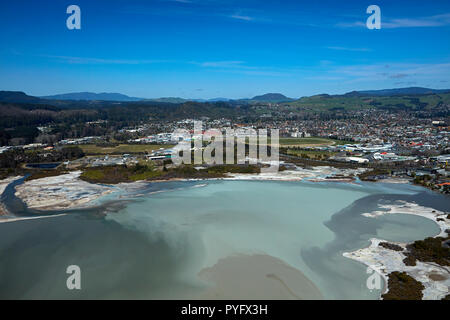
{"x": 154, "y": 243}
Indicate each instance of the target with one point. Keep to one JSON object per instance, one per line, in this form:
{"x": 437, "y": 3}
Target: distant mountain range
{"x": 399, "y": 91}
{"x": 89, "y": 96}
{"x": 268, "y": 97}
{"x": 62, "y": 99}
{"x": 272, "y": 97}
{"x": 17, "y": 97}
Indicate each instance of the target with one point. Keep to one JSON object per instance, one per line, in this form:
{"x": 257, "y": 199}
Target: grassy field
{"x": 307, "y": 142}
{"x": 310, "y": 142}
{"x": 92, "y": 149}
{"x": 326, "y": 102}
{"x": 311, "y": 154}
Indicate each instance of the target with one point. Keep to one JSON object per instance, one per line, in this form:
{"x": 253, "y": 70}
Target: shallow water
{"x": 154, "y": 242}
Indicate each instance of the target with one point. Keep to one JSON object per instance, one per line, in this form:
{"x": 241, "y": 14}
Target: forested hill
{"x": 21, "y": 115}
{"x": 383, "y": 99}
{"x": 18, "y": 97}
{"x": 21, "y": 120}
{"x": 325, "y": 102}
{"x": 399, "y": 91}
{"x": 92, "y": 96}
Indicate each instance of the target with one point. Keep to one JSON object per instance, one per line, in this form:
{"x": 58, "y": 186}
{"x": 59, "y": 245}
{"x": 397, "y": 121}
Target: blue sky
{"x": 218, "y": 48}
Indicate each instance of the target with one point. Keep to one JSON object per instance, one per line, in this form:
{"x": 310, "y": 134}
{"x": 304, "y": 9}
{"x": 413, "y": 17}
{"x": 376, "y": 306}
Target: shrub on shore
{"x": 39, "y": 174}
{"x": 390, "y": 246}
{"x": 118, "y": 174}
{"x": 428, "y": 250}
{"x": 403, "y": 287}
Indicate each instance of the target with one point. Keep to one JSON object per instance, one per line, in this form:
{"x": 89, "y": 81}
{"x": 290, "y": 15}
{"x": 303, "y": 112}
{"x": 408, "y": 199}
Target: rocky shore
{"x": 387, "y": 258}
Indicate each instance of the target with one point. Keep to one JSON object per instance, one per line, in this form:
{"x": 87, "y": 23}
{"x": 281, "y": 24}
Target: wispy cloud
{"x": 325, "y": 78}
{"x": 229, "y": 66}
{"x": 432, "y": 21}
{"x": 220, "y": 64}
{"x": 263, "y": 72}
{"x": 394, "y": 23}
{"x": 398, "y": 75}
{"x": 90, "y": 60}
{"x": 240, "y": 67}
{"x": 241, "y": 17}
{"x": 392, "y": 71}
{"x": 407, "y": 83}
{"x": 349, "y": 49}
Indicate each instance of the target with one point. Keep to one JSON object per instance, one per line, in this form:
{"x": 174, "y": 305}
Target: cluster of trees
{"x": 403, "y": 287}
{"x": 19, "y": 121}
{"x": 68, "y": 119}
{"x": 117, "y": 174}
{"x": 428, "y": 250}
{"x": 16, "y": 157}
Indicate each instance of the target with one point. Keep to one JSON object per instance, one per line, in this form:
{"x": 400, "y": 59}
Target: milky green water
{"x": 155, "y": 244}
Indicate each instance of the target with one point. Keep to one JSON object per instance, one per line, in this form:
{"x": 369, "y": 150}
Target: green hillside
{"x": 342, "y": 102}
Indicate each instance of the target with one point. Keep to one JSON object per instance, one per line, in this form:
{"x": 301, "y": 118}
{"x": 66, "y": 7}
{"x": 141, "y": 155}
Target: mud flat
{"x": 314, "y": 174}
{"x": 258, "y": 277}
{"x": 66, "y": 191}
{"x": 435, "y": 278}
{"x": 396, "y": 180}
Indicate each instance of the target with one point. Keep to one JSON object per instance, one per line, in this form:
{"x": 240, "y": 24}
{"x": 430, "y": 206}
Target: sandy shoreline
{"x": 260, "y": 277}
{"x": 15, "y": 219}
{"x": 314, "y": 174}
{"x": 404, "y": 207}
{"x": 396, "y": 180}
{"x": 435, "y": 278}
{"x": 66, "y": 191}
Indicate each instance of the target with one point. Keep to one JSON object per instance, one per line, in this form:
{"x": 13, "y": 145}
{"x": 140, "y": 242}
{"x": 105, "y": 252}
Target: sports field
{"x": 92, "y": 149}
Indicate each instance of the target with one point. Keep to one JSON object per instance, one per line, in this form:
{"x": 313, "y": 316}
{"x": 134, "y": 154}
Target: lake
{"x": 210, "y": 240}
